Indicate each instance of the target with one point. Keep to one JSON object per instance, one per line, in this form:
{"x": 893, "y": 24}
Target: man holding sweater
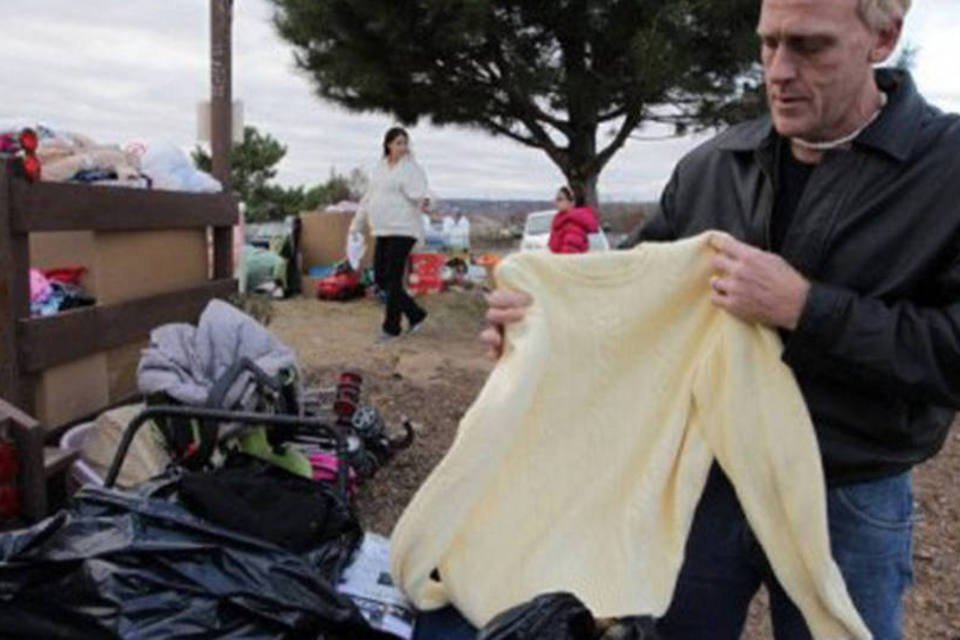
{"x": 843, "y": 203}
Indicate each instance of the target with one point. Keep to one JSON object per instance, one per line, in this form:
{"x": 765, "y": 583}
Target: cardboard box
{"x": 309, "y": 286}
{"x": 71, "y": 391}
{"x": 121, "y": 266}
{"x": 126, "y": 265}
{"x": 85, "y": 387}
{"x": 323, "y": 239}
{"x": 122, "y": 364}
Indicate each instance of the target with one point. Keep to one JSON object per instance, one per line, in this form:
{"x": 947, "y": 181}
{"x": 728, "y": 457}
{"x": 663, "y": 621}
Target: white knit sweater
{"x": 391, "y": 205}
{"x": 581, "y": 463}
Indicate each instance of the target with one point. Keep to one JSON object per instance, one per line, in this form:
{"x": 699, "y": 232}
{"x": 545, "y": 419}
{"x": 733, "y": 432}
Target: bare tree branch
{"x": 613, "y": 115}
{"x": 529, "y": 113}
{"x": 603, "y": 157}
{"x": 507, "y": 131}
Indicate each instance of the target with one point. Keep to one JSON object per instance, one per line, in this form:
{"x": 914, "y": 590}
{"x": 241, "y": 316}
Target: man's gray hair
{"x": 878, "y": 14}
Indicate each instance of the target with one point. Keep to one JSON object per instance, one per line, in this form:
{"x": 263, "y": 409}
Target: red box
{"x": 427, "y": 265}
{"x": 426, "y": 272}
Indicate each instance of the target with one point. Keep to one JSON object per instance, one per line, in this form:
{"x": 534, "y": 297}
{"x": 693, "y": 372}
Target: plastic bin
{"x": 426, "y": 272}
{"x": 81, "y": 473}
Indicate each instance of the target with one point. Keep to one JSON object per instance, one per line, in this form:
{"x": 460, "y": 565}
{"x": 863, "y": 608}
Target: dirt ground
{"x": 432, "y": 377}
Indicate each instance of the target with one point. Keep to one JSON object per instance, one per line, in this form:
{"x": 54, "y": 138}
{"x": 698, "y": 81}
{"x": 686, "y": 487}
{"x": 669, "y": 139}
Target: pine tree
{"x": 573, "y": 78}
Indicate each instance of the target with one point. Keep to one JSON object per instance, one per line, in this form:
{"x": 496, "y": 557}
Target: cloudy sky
{"x": 122, "y": 70}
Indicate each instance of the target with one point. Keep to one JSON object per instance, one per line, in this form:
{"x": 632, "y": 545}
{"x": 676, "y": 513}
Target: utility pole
{"x": 221, "y": 125}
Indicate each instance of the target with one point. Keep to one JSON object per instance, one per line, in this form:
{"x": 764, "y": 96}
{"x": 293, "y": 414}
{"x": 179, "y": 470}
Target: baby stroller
{"x": 230, "y": 363}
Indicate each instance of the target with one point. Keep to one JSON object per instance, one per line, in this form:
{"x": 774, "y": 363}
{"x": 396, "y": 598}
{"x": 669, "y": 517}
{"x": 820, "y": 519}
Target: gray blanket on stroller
{"x": 185, "y": 362}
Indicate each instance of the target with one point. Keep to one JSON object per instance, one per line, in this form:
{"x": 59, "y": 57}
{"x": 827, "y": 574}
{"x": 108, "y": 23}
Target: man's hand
{"x": 757, "y": 286}
{"x": 506, "y": 307}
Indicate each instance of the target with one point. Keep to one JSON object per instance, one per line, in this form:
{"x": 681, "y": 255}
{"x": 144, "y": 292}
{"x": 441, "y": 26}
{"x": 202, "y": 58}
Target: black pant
{"x": 389, "y": 266}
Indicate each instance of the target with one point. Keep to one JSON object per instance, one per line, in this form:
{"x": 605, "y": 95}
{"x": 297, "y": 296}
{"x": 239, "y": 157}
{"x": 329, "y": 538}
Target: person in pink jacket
{"x": 570, "y": 229}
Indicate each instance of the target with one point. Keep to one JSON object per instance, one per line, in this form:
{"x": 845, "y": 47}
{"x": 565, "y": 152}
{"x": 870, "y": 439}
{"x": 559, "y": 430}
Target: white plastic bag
{"x": 171, "y": 169}
{"x": 356, "y": 247}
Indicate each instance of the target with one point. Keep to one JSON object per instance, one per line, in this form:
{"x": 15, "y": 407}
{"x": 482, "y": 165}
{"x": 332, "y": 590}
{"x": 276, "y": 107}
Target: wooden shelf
{"x": 29, "y": 346}
{"x": 47, "y": 342}
{"x": 55, "y": 206}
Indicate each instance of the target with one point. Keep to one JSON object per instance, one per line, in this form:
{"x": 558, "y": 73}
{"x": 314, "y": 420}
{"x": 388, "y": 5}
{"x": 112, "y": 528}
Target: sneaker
{"x": 386, "y": 337}
{"x": 416, "y": 326}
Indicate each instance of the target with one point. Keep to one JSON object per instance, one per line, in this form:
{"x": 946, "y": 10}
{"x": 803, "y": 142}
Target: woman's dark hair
{"x": 574, "y": 195}
{"x": 392, "y": 135}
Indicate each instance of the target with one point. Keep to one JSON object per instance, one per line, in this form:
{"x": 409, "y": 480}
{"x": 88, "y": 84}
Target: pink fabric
{"x": 40, "y": 289}
{"x": 325, "y": 467}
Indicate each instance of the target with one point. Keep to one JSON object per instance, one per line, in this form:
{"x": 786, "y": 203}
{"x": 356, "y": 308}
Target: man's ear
{"x": 887, "y": 40}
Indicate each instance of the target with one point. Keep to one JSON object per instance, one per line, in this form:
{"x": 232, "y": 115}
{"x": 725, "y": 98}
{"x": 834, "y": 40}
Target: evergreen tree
{"x": 555, "y": 75}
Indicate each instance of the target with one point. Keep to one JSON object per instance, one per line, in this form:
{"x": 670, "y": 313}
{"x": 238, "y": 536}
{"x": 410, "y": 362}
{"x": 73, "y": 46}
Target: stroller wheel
{"x": 364, "y": 463}
{"x": 367, "y": 422}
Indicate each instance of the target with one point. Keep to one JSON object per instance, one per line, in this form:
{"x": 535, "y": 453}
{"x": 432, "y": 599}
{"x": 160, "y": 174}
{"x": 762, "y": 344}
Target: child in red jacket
{"x": 572, "y": 225}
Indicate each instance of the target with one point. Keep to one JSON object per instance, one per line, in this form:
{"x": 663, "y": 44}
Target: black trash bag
{"x": 270, "y": 503}
{"x": 557, "y": 616}
{"x": 561, "y": 616}
{"x": 139, "y": 565}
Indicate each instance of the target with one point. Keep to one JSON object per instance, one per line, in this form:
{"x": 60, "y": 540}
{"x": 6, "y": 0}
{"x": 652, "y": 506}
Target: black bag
{"x": 270, "y": 503}
{"x": 139, "y": 565}
{"x": 558, "y": 616}
{"x": 561, "y": 616}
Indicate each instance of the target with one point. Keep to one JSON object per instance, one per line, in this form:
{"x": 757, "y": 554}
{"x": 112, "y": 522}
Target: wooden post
{"x": 16, "y": 388}
{"x": 28, "y": 436}
{"x": 9, "y": 366}
{"x": 14, "y": 298}
{"x": 221, "y": 125}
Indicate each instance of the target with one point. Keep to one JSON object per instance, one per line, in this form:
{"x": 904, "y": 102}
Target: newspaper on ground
{"x": 368, "y": 583}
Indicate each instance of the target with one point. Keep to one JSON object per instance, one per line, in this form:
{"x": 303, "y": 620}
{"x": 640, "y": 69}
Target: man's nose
{"x": 781, "y": 65}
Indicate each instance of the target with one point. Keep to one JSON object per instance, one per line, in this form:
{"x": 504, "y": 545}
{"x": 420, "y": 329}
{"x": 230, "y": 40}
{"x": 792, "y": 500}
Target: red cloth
{"x": 65, "y": 275}
{"x": 569, "y": 230}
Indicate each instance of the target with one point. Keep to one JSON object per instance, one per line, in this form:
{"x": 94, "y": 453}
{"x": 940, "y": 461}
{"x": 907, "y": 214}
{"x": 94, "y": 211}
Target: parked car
{"x": 536, "y": 233}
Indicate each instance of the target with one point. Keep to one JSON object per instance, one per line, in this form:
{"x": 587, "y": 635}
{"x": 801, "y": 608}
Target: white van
{"x": 536, "y": 233}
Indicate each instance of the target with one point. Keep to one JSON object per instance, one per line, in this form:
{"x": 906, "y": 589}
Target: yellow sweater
{"x": 581, "y": 463}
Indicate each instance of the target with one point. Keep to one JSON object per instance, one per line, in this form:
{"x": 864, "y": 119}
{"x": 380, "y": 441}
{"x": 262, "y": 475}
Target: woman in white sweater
{"x": 392, "y": 208}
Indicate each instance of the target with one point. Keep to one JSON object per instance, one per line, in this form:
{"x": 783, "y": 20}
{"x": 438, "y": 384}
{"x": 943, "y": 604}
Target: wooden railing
{"x": 28, "y": 345}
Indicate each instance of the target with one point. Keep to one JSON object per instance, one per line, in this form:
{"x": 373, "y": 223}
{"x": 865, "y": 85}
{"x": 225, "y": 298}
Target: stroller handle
{"x": 214, "y": 416}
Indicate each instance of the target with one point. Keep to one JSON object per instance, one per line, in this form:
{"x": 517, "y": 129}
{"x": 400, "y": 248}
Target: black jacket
{"x": 877, "y": 349}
